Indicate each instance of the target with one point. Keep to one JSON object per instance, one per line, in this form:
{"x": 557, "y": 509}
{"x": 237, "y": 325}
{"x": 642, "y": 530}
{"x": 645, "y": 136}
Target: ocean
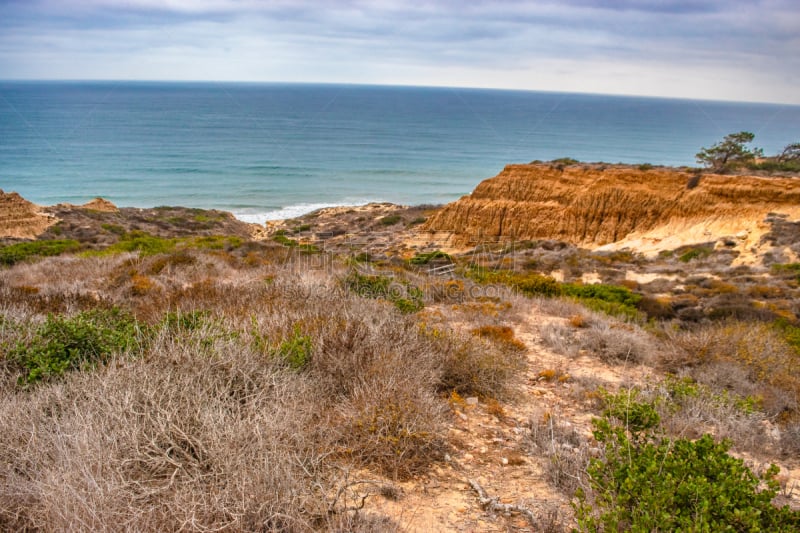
{"x": 267, "y": 151}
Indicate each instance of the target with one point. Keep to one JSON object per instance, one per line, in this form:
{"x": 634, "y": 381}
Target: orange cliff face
{"x": 615, "y": 206}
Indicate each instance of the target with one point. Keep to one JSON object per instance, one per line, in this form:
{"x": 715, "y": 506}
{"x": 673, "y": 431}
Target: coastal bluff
{"x": 21, "y": 219}
{"x": 601, "y": 206}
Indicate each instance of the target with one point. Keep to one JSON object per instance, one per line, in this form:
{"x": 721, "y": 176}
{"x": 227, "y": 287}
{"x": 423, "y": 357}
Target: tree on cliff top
{"x": 730, "y": 152}
{"x": 791, "y": 152}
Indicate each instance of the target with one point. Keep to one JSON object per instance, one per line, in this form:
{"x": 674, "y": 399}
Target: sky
{"x": 721, "y": 50}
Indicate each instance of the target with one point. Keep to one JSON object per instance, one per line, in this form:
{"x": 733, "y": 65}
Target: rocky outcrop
{"x": 21, "y": 219}
{"x": 603, "y": 205}
{"x": 100, "y": 204}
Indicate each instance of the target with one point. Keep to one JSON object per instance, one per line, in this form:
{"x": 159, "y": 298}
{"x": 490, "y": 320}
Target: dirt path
{"x": 493, "y": 448}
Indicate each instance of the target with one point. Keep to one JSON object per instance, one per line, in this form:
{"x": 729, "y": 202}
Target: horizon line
{"x": 392, "y": 85}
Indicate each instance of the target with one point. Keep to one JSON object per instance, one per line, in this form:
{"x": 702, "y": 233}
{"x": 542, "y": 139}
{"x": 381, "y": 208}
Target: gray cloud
{"x": 729, "y": 50}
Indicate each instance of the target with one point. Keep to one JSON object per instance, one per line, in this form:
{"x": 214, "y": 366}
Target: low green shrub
{"x": 116, "y": 229}
{"x": 295, "y": 349}
{"x": 142, "y": 242}
{"x": 612, "y": 300}
{"x": 787, "y": 268}
{"x": 694, "y": 253}
{"x": 368, "y": 285}
{"x": 14, "y": 253}
{"x": 216, "y": 242}
{"x": 565, "y": 161}
{"x": 772, "y": 165}
{"x": 281, "y": 238}
{"x": 790, "y": 333}
{"x": 405, "y": 296}
{"x": 680, "y": 390}
{"x": 71, "y": 342}
{"x": 390, "y": 220}
{"x": 528, "y": 283}
{"x": 425, "y": 258}
{"x": 185, "y": 320}
{"x": 647, "y": 482}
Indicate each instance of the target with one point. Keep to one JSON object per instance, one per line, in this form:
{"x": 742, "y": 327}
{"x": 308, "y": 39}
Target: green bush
{"x": 565, "y": 161}
{"x": 65, "y": 343}
{"x": 281, "y": 238}
{"x": 406, "y": 297}
{"x": 14, "y": 253}
{"x": 644, "y": 482}
{"x": 425, "y": 258}
{"x": 390, "y": 220}
{"x": 694, "y": 253}
{"x": 296, "y": 349}
{"x": 528, "y": 283}
{"x": 609, "y": 299}
{"x": 116, "y": 229}
{"x": 680, "y": 390}
{"x": 787, "y": 268}
{"x": 790, "y": 333}
{"x": 216, "y": 242}
{"x": 772, "y": 165}
{"x": 144, "y": 243}
{"x": 185, "y": 320}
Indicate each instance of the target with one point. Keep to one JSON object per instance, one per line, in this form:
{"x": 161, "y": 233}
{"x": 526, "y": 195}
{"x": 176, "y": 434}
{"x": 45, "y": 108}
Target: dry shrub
{"x": 577, "y": 321}
{"x": 473, "y": 367}
{"x": 445, "y": 291}
{"x": 495, "y": 408}
{"x": 142, "y": 285}
{"x": 616, "y": 342}
{"x": 748, "y": 358}
{"x": 561, "y": 339}
{"x": 604, "y": 337}
{"x": 383, "y": 371}
{"x": 790, "y": 440}
{"x": 392, "y": 429}
{"x": 172, "y": 442}
{"x": 502, "y": 335}
{"x": 561, "y": 307}
{"x": 553, "y": 374}
{"x": 689, "y": 410}
{"x": 566, "y": 452}
{"x": 169, "y": 262}
{"x": 765, "y": 291}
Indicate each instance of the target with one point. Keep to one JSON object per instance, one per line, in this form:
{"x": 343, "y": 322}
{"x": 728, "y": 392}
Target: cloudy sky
{"x": 718, "y": 49}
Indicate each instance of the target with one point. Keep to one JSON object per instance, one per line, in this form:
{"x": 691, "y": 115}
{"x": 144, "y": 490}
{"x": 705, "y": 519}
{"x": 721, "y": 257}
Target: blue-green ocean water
{"x": 275, "y": 150}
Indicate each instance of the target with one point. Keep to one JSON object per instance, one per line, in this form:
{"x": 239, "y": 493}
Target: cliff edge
{"x": 616, "y": 206}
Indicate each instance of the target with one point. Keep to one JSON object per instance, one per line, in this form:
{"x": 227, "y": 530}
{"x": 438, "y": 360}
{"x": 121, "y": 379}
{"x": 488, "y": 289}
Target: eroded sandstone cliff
{"x": 615, "y": 205}
{"x": 20, "y": 218}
